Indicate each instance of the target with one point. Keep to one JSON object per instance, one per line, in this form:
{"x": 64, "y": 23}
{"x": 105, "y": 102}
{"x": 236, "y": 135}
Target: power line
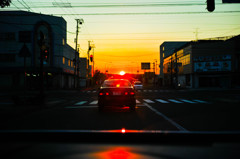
{"x": 114, "y": 5}
{"x": 147, "y": 13}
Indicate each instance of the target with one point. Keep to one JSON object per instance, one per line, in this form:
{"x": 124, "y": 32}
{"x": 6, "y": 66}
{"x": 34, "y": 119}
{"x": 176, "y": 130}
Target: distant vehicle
{"x": 116, "y": 92}
{"x": 137, "y": 85}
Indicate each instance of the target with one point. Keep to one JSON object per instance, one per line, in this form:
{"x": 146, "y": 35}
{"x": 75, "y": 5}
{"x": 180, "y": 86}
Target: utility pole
{"x": 93, "y": 62}
{"x": 79, "y": 21}
{"x": 171, "y": 73}
{"x": 196, "y": 34}
{"x": 155, "y": 70}
{"x": 89, "y": 49}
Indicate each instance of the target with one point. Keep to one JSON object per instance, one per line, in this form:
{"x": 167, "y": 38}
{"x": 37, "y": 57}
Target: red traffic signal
{"x": 45, "y": 54}
{"x": 91, "y": 58}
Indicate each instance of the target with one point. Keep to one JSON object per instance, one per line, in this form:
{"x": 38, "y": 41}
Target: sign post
{"x": 24, "y": 52}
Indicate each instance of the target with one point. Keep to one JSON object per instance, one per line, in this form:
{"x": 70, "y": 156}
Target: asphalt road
{"x": 167, "y": 110}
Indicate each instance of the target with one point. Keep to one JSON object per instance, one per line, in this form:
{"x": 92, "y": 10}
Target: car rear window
{"x": 138, "y": 82}
{"x": 116, "y": 83}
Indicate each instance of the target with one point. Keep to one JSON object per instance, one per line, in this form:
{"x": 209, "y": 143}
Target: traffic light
{"x": 210, "y": 5}
{"x": 45, "y": 54}
{"x": 91, "y": 58}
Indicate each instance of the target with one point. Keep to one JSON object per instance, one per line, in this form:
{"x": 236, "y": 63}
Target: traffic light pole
{"x": 41, "y": 77}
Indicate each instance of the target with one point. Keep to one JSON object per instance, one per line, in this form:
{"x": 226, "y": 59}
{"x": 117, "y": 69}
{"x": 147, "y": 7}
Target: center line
{"x": 166, "y": 118}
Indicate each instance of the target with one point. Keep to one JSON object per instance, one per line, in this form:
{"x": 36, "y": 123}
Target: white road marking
{"x": 187, "y": 101}
{"x": 139, "y": 90}
{"x": 137, "y": 101}
{"x": 150, "y": 90}
{"x": 94, "y": 102}
{"x": 155, "y": 90}
{"x": 144, "y": 90}
{"x": 148, "y": 101}
{"x": 166, "y": 118}
{"x": 80, "y": 103}
{"x": 88, "y": 91}
{"x": 175, "y": 101}
{"x": 161, "y": 101}
{"x": 199, "y": 101}
{"x": 94, "y": 91}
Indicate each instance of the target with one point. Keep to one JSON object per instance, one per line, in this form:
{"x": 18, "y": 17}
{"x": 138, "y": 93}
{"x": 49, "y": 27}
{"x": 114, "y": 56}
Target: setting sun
{"x": 122, "y": 73}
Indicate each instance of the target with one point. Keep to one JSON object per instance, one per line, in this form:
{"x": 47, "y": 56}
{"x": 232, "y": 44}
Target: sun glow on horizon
{"x": 122, "y": 73}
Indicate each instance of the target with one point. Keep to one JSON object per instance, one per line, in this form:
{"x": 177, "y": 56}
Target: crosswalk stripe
{"x": 94, "y": 91}
{"x": 199, "y": 101}
{"x": 139, "y": 90}
{"x": 148, "y": 101}
{"x": 175, "y": 101}
{"x": 80, "y": 103}
{"x": 155, "y": 90}
{"x": 94, "y": 102}
{"x": 161, "y": 101}
{"x": 144, "y": 90}
{"x": 150, "y": 90}
{"x": 151, "y": 101}
{"x": 88, "y": 91}
{"x": 187, "y": 101}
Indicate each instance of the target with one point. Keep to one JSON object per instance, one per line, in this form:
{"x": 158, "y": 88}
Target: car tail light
{"x": 107, "y": 93}
{"x": 129, "y": 93}
{"x": 132, "y": 93}
{"x": 100, "y": 94}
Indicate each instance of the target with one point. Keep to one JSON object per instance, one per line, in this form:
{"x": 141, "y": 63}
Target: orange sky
{"x": 126, "y": 33}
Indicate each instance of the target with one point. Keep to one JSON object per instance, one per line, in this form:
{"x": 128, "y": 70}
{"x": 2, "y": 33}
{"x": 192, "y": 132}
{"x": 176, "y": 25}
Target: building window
{"x": 63, "y": 41}
{"x": 7, "y": 36}
{"x": 163, "y": 48}
{"x": 63, "y": 60}
{"x": 69, "y": 63}
{"x": 7, "y": 58}
{"x": 185, "y": 60}
{"x": 163, "y": 55}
